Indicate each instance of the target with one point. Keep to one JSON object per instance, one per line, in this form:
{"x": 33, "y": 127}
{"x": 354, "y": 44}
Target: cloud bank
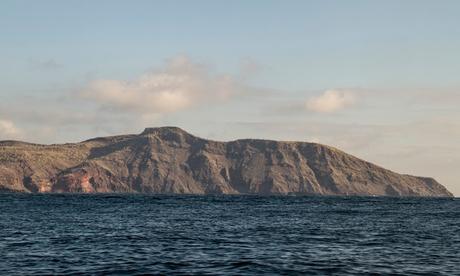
{"x": 331, "y": 101}
{"x": 8, "y": 130}
{"x": 178, "y": 85}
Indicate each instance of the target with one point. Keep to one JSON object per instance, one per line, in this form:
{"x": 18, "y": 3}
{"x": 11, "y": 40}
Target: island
{"x": 168, "y": 160}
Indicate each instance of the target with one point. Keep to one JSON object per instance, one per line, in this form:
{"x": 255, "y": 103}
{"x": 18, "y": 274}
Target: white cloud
{"x": 331, "y": 101}
{"x": 179, "y": 85}
{"x": 44, "y": 64}
{"x": 8, "y": 130}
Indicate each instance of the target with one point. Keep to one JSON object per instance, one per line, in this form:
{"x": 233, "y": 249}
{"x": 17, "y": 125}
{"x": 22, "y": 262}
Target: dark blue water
{"x": 143, "y": 234}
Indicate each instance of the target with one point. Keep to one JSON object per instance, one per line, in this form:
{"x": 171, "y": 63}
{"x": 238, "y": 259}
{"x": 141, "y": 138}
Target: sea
{"x": 126, "y": 234}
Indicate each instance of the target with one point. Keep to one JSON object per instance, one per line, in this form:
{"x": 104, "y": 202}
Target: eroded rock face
{"x": 170, "y": 160}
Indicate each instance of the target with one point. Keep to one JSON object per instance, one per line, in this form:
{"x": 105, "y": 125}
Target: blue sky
{"x": 378, "y": 79}
{"x": 305, "y": 43}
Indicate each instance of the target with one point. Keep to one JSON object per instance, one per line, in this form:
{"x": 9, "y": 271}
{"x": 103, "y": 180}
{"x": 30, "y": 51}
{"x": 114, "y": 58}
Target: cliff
{"x": 170, "y": 160}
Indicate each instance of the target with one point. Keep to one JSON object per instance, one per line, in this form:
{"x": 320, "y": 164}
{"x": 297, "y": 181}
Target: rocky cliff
{"x": 170, "y": 160}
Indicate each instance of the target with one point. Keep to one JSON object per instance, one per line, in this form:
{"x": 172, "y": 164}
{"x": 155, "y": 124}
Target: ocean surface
{"x": 227, "y": 235}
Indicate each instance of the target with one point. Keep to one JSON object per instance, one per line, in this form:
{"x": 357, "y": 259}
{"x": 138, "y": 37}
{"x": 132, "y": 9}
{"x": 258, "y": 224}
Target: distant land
{"x": 168, "y": 160}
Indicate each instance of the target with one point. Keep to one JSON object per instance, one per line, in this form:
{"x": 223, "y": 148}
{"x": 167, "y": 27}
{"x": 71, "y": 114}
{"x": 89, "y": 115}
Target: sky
{"x": 377, "y": 79}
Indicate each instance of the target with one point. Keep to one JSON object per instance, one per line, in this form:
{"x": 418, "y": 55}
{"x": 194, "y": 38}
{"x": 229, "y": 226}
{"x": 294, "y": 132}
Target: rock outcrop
{"x": 171, "y": 161}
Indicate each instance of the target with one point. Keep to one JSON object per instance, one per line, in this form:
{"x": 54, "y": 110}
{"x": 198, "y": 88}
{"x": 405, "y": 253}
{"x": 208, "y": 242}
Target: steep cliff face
{"x": 170, "y": 160}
